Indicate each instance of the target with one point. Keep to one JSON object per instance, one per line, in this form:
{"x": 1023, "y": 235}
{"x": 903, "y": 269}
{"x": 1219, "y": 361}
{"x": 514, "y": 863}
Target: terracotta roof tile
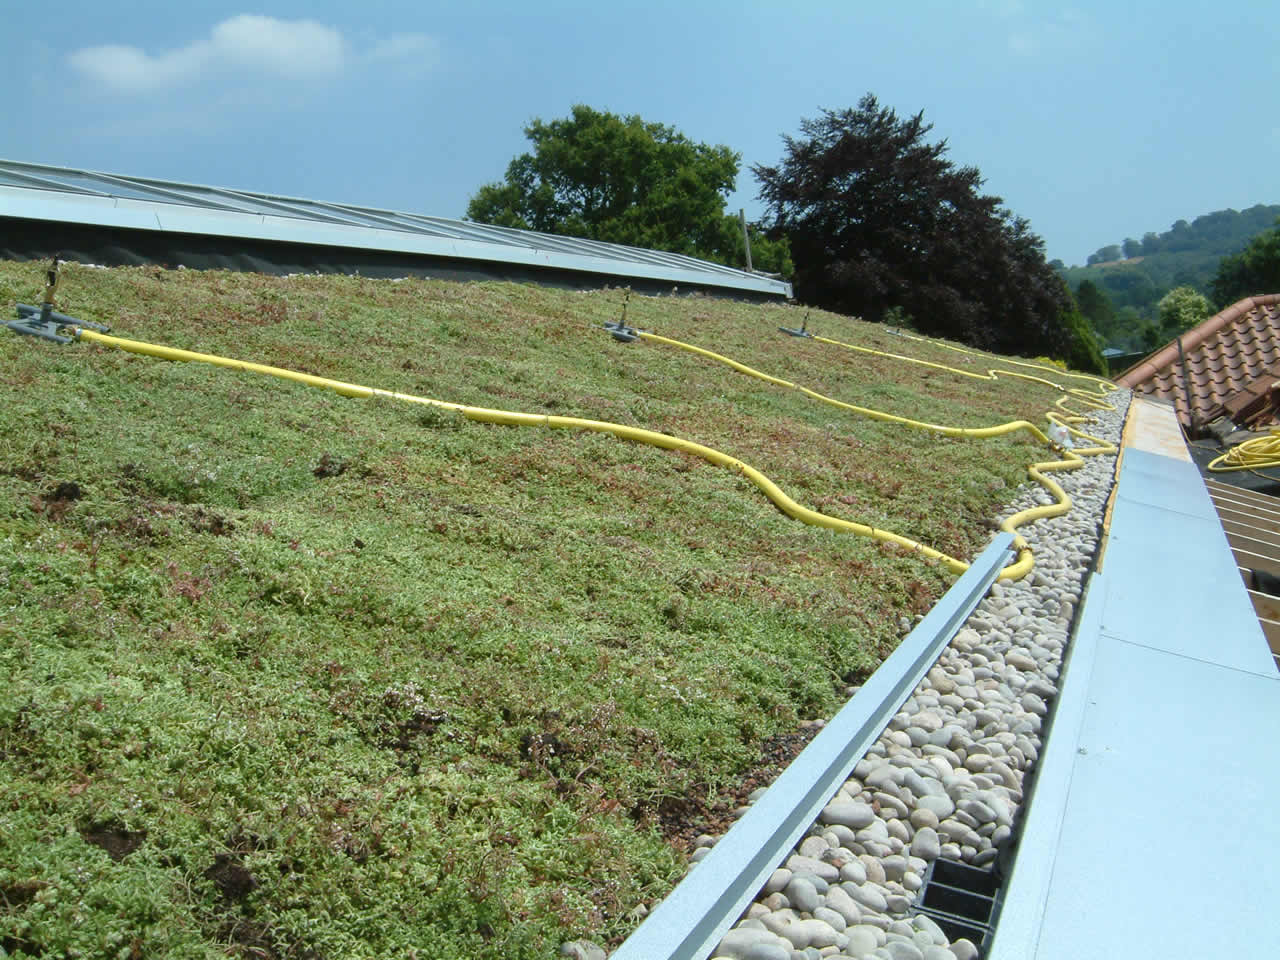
{"x": 1231, "y": 361}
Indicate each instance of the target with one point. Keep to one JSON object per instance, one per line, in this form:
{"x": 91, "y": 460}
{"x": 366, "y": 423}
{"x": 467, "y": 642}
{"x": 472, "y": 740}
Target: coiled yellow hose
{"x": 1256, "y": 454}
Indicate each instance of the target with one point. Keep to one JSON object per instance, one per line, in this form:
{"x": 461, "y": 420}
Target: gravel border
{"x": 946, "y": 778}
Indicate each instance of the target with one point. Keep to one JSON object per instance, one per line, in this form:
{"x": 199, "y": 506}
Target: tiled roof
{"x": 1231, "y": 361}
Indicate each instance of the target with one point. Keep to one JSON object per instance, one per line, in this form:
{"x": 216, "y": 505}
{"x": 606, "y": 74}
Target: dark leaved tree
{"x": 880, "y": 219}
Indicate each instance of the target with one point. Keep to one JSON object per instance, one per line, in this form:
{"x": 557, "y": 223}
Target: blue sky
{"x": 1096, "y": 121}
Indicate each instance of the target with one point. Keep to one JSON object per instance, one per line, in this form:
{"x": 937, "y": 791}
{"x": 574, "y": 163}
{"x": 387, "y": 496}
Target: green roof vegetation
{"x": 293, "y": 675}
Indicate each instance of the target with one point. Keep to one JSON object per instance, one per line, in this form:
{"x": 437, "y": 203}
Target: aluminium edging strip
{"x": 1015, "y": 932}
{"x": 689, "y": 923}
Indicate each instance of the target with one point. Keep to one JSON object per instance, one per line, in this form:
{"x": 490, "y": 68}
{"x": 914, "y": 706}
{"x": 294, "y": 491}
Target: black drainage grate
{"x": 961, "y": 900}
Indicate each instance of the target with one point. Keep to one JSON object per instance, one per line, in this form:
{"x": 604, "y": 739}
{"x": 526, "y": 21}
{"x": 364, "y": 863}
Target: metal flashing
{"x": 1166, "y": 536}
{"x": 1150, "y": 428}
{"x": 1165, "y": 483}
{"x": 45, "y": 193}
{"x": 1167, "y": 709}
{"x": 1148, "y": 770}
{"x": 1026, "y": 890}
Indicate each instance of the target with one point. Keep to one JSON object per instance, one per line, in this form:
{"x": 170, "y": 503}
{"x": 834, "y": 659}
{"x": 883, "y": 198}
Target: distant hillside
{"x": 1137, "y": 273}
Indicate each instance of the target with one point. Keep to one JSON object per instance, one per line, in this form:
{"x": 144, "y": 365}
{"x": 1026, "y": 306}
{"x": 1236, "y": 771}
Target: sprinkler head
{"x": 621, "y": 332}
{"x": 802, "y": 332}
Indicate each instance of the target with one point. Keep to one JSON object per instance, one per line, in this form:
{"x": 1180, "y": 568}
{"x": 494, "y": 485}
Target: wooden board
{"x": 1256, "y": 561}
{"x": 1264, "y": 500}
{"x": 1248, "y": 521}
{"x": 1272, "y": 630}
{"x": 1226, "y": 501}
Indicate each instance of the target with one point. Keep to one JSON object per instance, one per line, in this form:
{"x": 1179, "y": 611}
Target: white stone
{"x": 926, "y": 844}
{"x": 867, "y": 895}
{"x": 777, "y": 881}
{"x": 853, "y": 871}
{"x": 813, "y": 847}
{"x": 802, "y": 894}
{"x": 862, "y": 940}
{"x": 1021, "y": 661}
{"x": 843, "y": 904}
{"x": 833, "y": 918}
{"x": 819, "y": 868}
{"x": 738, "y": 941}
{"x": 941, "y": 807}
{"x": 855, "y": 816}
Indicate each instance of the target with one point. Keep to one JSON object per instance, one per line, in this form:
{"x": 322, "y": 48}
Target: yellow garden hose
{"x": 1100, "y": 384}
{"x": 1259, "y": 453}
{"x": 1021, "y": 567}
{"x": 1071, "y": 458}
{"x": 511, "y": 418}
{"x": 1092, "y": 399}
{"x": 58, "y": 327}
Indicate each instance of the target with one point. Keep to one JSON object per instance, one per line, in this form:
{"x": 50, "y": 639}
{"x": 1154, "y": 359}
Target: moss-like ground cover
{"x": 292, "y": 675}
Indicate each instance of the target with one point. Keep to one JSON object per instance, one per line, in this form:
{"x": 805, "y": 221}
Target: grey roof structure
{"x": 1167, "y": 710}
{"x": 100, "y": 201}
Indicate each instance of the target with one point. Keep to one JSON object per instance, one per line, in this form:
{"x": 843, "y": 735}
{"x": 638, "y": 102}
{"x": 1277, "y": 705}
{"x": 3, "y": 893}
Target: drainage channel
{"x": 888, "y": 837}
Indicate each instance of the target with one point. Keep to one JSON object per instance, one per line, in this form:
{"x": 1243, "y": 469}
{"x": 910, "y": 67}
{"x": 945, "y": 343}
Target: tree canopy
{"x": 1096, "y": 307}
{"x": 1187, "y": 254}
{"x": 1108, "y": 254}
{"x": 1181, "y": 309}
{"x": 1256, "y": 269}
{"x": 878, "y": 219}
{"x": 600, "y": 176}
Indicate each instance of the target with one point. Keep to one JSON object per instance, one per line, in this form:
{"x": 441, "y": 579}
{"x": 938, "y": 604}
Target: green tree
{"x": 1180, "y": 236}
{"x": 1131, "y": 247}
{"x": 604, "y": 177}
{"x": 1083, "y": 351}
{"x": 768, "y": 254}
{"x": 1107, "y": 254}
{"x": 1097, "y": 309}
{"x": 879, "y": 219}
{"x": 1181, "y": 309}
{"x": 1256, "y": 269}
{"x": 1149, "y": 335}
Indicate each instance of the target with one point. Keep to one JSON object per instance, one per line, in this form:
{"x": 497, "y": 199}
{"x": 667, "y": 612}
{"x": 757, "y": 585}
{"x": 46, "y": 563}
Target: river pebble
{"x": 945, "y": 779}
{"x": 926, "y": 845}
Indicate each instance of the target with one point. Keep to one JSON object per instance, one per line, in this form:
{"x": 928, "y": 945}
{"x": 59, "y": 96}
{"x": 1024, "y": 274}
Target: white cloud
{"x": 418, "y": 47}
{"x": 249, "y": 45}
{"x": 130, "y": 70}
{"x": 290, "y": 47}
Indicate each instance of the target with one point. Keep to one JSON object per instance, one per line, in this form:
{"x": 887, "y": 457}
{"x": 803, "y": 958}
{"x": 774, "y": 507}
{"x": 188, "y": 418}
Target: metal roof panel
{"x": 41, "y": 192}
